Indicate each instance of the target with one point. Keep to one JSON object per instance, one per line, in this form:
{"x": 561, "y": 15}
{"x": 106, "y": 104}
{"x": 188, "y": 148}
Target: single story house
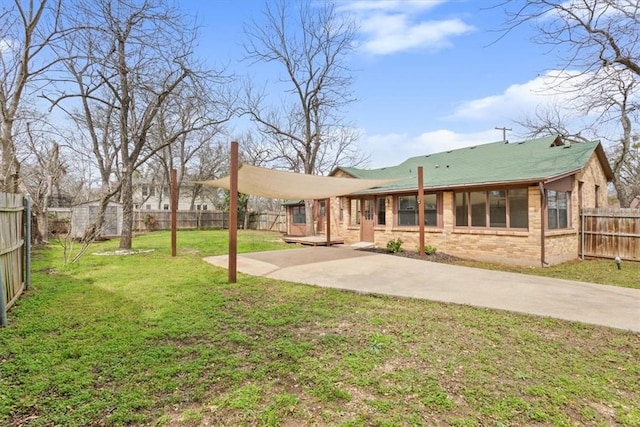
{"x": 515, "y": 203}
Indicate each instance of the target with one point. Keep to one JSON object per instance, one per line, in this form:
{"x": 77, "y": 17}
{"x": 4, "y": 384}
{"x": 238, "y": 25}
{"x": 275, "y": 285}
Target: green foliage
{"x": 150, "y": 222}
{"x": 603, "y": 271}
{"x": 430, "y": 250}
{"x": 149, "y": 339}
{"x": 394, "y": 245}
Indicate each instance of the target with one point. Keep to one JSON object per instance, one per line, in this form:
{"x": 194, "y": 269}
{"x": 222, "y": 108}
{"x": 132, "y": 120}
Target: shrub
{"x": 394, "y": 245}
{"x": 430, "y": 250}
{"x": 150, "y": 222}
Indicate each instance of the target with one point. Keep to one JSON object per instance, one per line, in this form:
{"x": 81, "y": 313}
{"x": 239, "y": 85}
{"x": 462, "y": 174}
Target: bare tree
{"x": 210, "y": 162}
{"x": 187, "y": 124}
{"x": 131, "y": 59}
{"x": 311, "y": 43}
{"x": 551, "y": 120}
{"x": 40, "y": 177}
{"x": 601, "y": 40}
{"x": 27, "y": 30}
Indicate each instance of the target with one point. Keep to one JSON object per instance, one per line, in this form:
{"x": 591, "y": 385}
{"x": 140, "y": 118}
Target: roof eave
{"x": 527, "y": 181}
{"x": 602, "y": 157}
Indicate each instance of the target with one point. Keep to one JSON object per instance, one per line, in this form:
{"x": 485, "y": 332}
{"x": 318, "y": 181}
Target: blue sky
{"x": 429, "y": 75}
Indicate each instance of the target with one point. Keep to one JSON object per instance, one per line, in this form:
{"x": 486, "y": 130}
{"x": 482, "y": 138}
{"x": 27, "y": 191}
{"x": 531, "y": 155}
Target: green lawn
{"x": 152, "y": 340}
{"x": 602, "y": 271}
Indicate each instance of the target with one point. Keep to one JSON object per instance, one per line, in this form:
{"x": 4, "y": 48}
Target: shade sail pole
{"x": 174, "y": 211}
{"x": 327, "y": 212}
{"x": 421, "y": 209}
{"x": 233, "y": 212}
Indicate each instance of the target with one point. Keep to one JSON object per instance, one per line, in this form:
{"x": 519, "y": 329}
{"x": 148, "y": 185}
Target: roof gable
{"x": 533, "y": 160}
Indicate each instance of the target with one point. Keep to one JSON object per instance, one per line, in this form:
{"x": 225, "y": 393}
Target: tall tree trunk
{"x": 126, "y": 238}
{"x": 10, "y": 167}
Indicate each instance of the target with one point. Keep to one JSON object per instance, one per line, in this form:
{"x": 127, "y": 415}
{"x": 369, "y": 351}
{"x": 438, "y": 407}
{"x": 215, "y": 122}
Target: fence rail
{"x": 14, "y": 250}
{"x": 610, "y": 233}
{"x": 161, "y": 220}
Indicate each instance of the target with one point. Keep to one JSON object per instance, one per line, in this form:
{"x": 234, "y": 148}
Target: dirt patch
{"x": 124, "y": 252}
{"x": 437, "y": 257}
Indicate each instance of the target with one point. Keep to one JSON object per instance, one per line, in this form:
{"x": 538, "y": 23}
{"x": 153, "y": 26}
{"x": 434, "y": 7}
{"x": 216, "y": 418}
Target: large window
{"x": 498, "y": 208}
{"x": 493, "y": 209}
{"x": 557, "y": 209}
{"x": 299, "y": 216}
{"x": 518, "y": 208}
{"x": 408, "y": 210}
{"x": 478, "y": 208}
{"x": 462, "y": 210}
{"x": 355, "y": 211}
{"x": 381, "y": 210}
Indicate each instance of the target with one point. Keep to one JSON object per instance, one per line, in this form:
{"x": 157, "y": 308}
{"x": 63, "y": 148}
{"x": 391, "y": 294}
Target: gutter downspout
{"x": 543, "y": 209}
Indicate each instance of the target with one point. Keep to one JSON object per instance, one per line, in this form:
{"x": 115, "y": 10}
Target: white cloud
{"x": 393, "y": 149}
{"x": 6, "y": 46}
{"x": 474, "y": 122}
{"x": 519, "y": 99}
{"x": 389, "y": 5}
{"x": 444, "y": 139}
{"x": 394, "y": 26}
{"x": 389, "y": 34}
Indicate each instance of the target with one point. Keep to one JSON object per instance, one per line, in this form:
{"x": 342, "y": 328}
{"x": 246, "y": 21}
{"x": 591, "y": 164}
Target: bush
{"x": 150, "y": 222}
{"x": 394, "y": 246}
{"x": 430, "y": 250}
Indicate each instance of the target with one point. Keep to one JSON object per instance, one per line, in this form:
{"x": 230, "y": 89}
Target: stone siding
{"x": 507, "y": 246}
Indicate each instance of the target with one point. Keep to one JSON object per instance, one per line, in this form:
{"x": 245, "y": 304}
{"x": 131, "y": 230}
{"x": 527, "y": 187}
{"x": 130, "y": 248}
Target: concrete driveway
{"x": 344, "y": 268}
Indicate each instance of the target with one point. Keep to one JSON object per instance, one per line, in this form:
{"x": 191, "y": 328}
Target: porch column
{"x": 421, "y": 211}
{"x": 327, "y": 211}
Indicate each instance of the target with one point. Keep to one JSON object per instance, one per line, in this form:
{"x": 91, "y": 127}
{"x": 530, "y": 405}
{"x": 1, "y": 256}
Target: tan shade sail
{"x": 289, "y": 185}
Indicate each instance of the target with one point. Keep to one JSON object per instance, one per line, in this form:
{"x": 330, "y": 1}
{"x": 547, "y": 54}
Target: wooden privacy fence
{"x": 610, "y": 233}
{"x": 15, "y": 248}
{"x": 161, "y": 220}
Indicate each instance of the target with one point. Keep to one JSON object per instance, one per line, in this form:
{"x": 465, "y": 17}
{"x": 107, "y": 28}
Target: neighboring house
{"x": 516, "y": 203}
{"x": 152, "y": 196}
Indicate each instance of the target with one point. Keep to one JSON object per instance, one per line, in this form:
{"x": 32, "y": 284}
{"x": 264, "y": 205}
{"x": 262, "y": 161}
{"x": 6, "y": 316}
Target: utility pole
{"x": 504, "y": 133}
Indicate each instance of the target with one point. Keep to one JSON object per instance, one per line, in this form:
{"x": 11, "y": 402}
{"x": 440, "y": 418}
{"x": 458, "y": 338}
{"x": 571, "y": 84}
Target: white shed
{"x": 84, "y": 215}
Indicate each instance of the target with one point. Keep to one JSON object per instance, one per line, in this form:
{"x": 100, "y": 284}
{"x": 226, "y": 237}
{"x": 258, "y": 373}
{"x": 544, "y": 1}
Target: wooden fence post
{"x": 3, "y": 302}
{"x": 27, "y": 243}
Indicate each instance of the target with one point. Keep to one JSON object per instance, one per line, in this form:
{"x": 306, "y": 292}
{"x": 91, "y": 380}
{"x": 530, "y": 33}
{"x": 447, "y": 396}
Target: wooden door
{"x": 367, "y": 219}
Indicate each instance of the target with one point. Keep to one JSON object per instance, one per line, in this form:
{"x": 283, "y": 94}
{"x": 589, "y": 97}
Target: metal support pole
{"x": 233, "y": 212}
{"x": 327, "y": 211}
{"x": 27, "y": 243}
{"x": 3, "y": 302}
{"x": 421, "y": 210}
{"x": 582, "y": 236}
{"x": 174, "y": 211}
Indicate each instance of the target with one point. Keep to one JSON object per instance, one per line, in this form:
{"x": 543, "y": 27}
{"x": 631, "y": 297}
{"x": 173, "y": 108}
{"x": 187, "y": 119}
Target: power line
{"x": 504, "y": 133}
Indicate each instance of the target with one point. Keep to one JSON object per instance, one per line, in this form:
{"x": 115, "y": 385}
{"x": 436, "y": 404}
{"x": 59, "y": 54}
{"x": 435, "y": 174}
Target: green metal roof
{"x": 535, "y": 160}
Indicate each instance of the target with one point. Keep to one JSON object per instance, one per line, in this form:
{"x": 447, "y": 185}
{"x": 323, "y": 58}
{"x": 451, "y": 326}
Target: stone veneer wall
{"x": 516, "y": 247}
{"x": 493, "y": 245}
{"x": 564, "y": 245}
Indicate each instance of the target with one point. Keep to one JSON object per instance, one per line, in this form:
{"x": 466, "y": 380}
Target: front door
{"x": 367, "y": 220}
